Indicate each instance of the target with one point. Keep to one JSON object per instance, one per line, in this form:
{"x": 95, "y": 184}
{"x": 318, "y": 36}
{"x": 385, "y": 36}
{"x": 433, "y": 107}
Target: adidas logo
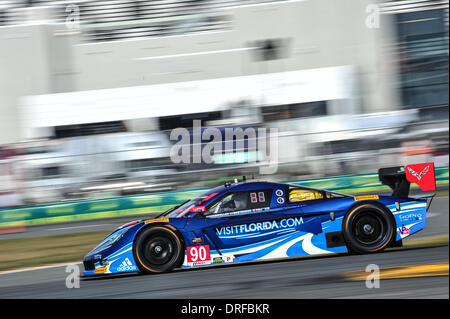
{"x": 126, "y": 262}
{"x": 126, "y": 265}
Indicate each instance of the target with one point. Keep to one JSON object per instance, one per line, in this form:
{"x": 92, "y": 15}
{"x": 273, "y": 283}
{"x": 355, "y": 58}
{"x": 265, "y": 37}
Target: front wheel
{"x": 157, "y": 249}
{"x": 368, "y": 228}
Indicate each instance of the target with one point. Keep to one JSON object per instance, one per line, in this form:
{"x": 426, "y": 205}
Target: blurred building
{"x": 421, "y": 33}
{"x": 89, "y": 90}
{"x": 52, "y": 47}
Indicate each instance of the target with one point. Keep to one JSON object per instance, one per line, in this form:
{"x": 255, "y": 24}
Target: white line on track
{"x": 39, "y": 267}
{"x": 75, "y": 227}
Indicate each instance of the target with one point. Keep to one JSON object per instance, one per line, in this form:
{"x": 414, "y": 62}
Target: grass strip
{"x": 428, "y": 241}
{"x": 39, "y": 251}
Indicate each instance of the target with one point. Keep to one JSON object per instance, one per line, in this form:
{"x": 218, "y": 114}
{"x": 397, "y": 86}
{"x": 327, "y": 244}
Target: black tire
{"x": 158, "y": 249}
{"x": 368, "y": 228}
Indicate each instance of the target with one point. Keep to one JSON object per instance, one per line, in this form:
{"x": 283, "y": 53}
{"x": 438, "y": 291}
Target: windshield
{"x": 181, "y": 210}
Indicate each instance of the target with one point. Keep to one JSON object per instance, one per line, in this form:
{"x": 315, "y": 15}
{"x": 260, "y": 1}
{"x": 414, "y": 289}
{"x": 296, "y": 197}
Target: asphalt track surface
{"x": 312, "y": 277}
{"x": 318, "y": 277}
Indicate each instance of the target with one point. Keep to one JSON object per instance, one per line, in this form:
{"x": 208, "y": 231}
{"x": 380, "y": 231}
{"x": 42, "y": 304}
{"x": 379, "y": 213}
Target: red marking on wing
{"x": 423, "y": 175}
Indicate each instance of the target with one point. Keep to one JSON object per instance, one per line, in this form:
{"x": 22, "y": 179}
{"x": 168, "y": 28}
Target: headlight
{"x": 108, "y": 241}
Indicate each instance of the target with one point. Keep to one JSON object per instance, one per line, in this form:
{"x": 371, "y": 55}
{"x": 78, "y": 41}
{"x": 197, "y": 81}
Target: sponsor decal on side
{"x": 157, "y": 220}
{"x": 228, "y": 258}
{"x": 126, "y": 265}
{"x": 223, "y": 259}
{"x": 366, "y": 197}
{"x": 100, "y": 270}
{"x": 197, "y": 240}
{"x": 410, "y": 217}
{"x": 258, "y": 227}
{"x": 403, "y": 230}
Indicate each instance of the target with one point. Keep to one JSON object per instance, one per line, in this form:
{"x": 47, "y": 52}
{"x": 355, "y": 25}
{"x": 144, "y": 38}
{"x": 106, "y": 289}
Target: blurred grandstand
{"x": 86, "y": 111}
{"x": 119, "y": 19}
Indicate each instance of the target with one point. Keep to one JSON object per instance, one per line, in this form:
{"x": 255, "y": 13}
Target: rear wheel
{"x": 158, "y": 249}
{"x": 368, "y": 228}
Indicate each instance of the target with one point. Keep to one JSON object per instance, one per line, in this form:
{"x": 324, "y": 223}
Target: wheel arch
{"x": 163, "y": 225}
{"x": 373, "y": 202}
{"x": 392, "y": 242}
{"x": 160, "y": 224}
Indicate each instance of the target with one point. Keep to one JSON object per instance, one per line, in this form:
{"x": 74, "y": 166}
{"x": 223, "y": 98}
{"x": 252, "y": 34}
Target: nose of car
{"x": 89, "y": 262}
{"x": 90, "y": 259}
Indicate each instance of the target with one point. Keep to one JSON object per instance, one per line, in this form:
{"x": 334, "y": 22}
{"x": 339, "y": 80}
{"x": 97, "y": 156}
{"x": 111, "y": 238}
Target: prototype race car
{"x": 249, "y": 221}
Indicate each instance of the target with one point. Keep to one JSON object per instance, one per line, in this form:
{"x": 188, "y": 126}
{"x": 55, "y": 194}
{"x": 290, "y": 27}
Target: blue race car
{"x": 250, "y": 221}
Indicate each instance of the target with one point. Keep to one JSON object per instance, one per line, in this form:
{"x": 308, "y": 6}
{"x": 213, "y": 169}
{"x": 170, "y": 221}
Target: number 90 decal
{"x": 198, "y": 254}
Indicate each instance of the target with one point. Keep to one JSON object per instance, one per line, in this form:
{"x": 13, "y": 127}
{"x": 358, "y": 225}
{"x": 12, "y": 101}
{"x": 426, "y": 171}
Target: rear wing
{"x": 399, "y": 178}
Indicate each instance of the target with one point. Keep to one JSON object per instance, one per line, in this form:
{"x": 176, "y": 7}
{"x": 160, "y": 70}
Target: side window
{"x": 302, "y": 195}
{"x": 229, "y": 203}
{"x": 239, "y": 201}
